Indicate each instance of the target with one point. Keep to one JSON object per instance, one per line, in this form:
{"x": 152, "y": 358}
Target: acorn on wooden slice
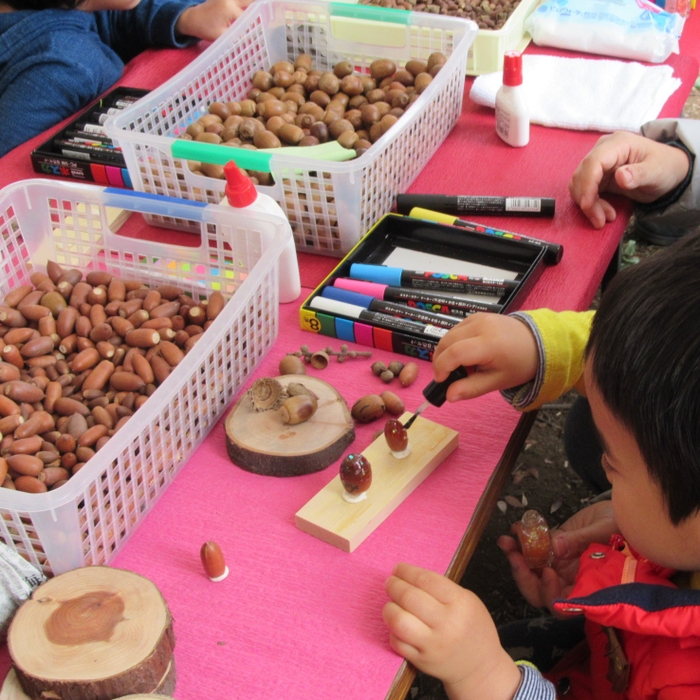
{"x": 356, "y": 477}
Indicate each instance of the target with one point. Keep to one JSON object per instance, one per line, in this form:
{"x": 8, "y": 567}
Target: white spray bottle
{"x": 241, "y": 194}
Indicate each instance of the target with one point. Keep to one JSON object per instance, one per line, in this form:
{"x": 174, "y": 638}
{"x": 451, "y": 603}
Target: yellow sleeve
{"x": 562, "y": 339}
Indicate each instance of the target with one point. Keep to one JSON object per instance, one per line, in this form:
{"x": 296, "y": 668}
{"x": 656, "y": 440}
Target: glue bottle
{"x": 241, "y": 194}
{"x": 512, "y": 114}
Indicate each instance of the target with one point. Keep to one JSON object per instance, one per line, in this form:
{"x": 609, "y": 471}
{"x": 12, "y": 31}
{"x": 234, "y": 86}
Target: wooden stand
{"x": 94, "y": 633}
{"x": 345, "y": 525}
{"x": 261, "y": 443}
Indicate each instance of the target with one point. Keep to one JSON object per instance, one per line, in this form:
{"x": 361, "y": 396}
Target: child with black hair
{"x": 56, "y": 56}
{"x": 636, "y": 589}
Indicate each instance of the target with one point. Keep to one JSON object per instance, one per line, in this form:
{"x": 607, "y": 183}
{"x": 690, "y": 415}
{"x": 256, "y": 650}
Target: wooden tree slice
{"x": 261, "y": 443}
{"x": 93, "y": 633}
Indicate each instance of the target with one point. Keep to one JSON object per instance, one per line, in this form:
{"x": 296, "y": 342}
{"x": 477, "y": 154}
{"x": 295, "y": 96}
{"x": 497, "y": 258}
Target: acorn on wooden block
{"x": 356, "y": 477}
{"x": 397, "y": 438}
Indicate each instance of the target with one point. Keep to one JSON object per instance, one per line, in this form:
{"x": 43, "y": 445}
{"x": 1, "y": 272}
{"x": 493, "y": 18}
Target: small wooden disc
{"x": 261, "y": 443}
{"x": 93, "y": 633}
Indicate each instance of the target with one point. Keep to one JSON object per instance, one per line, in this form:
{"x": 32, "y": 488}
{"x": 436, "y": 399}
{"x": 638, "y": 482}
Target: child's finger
{"x": 415, "y": 600}
{"x": 440, "y": 588}
{"x": 529, "y": 583}
{"x": 404, "y": 626}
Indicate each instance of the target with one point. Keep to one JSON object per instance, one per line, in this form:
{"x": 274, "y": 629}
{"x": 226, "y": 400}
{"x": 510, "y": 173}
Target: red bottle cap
{"x": 512, "y": 68}
{"x": 240, "y": 190}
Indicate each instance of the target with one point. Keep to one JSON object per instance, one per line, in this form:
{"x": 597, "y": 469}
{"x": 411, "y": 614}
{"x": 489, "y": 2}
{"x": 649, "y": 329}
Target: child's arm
{"x": 539, "y": 353}
{"x": 446, "y": 632}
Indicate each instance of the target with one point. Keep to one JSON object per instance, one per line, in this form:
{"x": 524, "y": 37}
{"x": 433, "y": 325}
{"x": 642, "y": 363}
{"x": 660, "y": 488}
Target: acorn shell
{"x": 396, "y": 435}
{"x": 266, "y": 394}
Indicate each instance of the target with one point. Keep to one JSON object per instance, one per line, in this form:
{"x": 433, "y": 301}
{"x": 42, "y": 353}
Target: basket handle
{"x": 370, "y": 12}
{"x": 259, "y": 160}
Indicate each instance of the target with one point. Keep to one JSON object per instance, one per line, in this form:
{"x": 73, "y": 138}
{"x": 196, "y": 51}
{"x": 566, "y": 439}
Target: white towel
{"x": 582, "y": 93}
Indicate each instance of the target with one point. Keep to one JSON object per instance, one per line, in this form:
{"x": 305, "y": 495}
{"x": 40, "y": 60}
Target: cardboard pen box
{"x": 443, "y": 258}
{"x": 82, "y": 151}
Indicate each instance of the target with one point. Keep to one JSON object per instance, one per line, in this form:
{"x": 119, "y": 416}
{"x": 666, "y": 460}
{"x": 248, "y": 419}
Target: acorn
{"x": 397, "y": 438}
{"x": 298, "y": 409}
{"x": 213, "y": 561}
{"x": 534, "y": 539}
{"x": 356, "y": 477}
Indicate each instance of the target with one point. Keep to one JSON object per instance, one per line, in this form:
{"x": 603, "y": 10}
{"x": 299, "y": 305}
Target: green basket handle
{"x": 370, "y": 12}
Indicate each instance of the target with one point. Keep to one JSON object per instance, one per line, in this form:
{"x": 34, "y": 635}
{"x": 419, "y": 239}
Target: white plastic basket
{"x": 87, "y": 520}
{"x": 330, "y": 205}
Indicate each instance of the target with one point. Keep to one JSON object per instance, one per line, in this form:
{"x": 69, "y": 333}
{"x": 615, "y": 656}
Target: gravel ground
{"x": 541, "y": 479}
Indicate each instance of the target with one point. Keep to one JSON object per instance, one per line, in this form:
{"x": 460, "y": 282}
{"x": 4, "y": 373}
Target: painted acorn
{"x": 397, "y": 438}
{"x": 535, "y": 541}
{"x": 356, "y": 477}
{"x": 213, "y": 561}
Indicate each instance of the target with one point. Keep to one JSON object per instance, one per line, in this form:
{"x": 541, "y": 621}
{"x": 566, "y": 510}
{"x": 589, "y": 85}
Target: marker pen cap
{"x": 371, "y": 289}
{"x": 240, "y": 190}
{"x": 348, "y": 297}
{"x": 377, "y": 273}
{"x": 336, "y": 307}
{"x": 436, "y": 392}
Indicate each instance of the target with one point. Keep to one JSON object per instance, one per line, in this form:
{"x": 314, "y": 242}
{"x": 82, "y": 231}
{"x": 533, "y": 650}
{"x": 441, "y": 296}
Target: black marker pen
{"x": 82, "y": 151}
{"x": 374, "y": 318}
{"x": 439, "y": 281}
{"x": 450, "y": 304}
{"x": 463, "y": 204}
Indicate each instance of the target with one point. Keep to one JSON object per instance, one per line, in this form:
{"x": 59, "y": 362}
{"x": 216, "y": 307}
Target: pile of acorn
{"x": 292, "y": 104}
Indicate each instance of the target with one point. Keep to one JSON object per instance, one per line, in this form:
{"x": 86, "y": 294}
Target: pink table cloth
{"x": 297, "y": 618}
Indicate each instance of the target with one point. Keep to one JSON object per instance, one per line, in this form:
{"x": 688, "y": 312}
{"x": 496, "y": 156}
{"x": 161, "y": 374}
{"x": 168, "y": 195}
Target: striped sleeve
{"x": 533, "y": 685}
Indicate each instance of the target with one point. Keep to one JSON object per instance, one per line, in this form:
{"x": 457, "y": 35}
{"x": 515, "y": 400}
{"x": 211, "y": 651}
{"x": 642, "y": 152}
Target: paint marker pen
{"x": 463, "y": 204}
{"x": 436, "y": 281}
{"x": 552, "y": 256}
{"x": 450, "y": 304}
{"x": 88, "y": 136}
{"x": 82, "y": 151}
{"x": 388, "y": 307}
{"x": 374, "y": 318}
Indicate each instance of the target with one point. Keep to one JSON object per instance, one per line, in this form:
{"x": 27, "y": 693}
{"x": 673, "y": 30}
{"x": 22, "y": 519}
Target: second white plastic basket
{"x": 88, "y": 519}
{"x": 330, "y": 205}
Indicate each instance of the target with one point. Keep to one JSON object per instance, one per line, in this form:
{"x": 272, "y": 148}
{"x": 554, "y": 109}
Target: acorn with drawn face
{"x": 356, "y": 477}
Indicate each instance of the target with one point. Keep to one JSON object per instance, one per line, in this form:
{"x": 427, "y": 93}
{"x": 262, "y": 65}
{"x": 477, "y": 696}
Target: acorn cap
{"x": 240, "y": 190}
{"x": 512, "y": 68}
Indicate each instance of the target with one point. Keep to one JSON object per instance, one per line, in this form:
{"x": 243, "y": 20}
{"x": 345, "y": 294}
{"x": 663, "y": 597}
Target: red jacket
{"x": 656, "y": 623}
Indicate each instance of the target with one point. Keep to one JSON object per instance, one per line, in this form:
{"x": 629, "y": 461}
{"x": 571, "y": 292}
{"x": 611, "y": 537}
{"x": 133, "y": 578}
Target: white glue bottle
{"x": 512, "y": 114}
{"x": 241, "y": 194}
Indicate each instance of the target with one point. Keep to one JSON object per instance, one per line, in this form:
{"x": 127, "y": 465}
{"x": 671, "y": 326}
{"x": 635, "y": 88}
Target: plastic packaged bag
{"x": 635, "y": 29}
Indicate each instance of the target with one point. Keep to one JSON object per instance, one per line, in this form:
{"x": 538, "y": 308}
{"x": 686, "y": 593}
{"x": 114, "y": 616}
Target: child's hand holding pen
{"x": 501, "y": 350}
{"x": 210, "y": 19}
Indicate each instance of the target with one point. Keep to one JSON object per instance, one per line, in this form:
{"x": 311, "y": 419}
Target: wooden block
{"x": 345, "y": 525}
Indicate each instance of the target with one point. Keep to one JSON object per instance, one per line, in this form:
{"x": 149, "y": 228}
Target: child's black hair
{"x": 645, "y": 351}
{"x": 43, "y": 4}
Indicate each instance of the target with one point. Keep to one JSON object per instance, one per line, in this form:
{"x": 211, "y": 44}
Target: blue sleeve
{"x": 27, "y": 108}
{"x": 151, "y": 23}
{"x": 533, "y": 686}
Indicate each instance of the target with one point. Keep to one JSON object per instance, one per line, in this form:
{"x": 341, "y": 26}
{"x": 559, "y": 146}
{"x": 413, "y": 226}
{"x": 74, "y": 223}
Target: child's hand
{"x": 502, "y": 350}
{"x": 447, "y": 632}
{"x": 625, "y": 163}
{"x": 210, "y": 19}
{"x": 592, "y": 524}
